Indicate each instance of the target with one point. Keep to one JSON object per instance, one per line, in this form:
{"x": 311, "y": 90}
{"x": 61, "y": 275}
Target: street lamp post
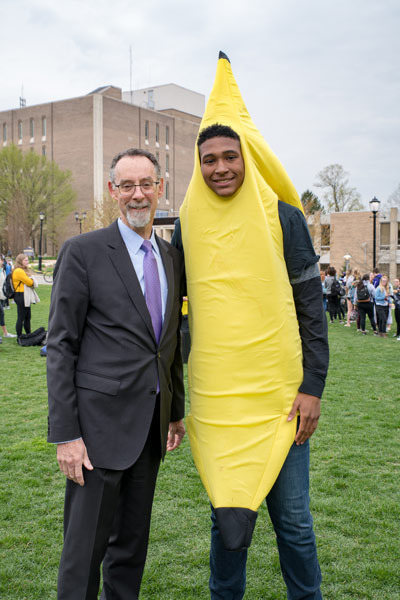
{"x": 347, "y": 258}
{"x": 41, "y": 217}
{"x": 79, "y": 218}
{"x": 374, "y": 206}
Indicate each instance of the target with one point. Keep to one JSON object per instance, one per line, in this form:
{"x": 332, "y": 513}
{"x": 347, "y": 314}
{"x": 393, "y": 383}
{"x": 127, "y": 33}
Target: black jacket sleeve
{"x": 301, "y": 263}
{"x": 176, "y": 241}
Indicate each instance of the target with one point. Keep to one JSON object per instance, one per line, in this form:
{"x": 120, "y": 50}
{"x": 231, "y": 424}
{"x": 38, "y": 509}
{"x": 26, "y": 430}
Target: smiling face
{"x": 136, "y": 208}
{"x": 222, "y": 165}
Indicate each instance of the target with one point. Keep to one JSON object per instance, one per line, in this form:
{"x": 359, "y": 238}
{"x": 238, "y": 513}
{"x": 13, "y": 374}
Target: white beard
{"x": 137, "y": 220}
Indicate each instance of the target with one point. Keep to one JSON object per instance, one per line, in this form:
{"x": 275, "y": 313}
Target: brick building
{"x": 351, "y": 233}
{"x": 83, "y": 134}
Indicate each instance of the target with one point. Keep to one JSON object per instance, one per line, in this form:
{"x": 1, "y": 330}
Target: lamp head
{"x": 374, "y": 204}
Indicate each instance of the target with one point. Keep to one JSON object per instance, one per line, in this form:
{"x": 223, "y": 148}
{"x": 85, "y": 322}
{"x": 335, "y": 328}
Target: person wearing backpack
{"x": 363, "y": 296}
{"x": 332, "y": 287}
{"x": 21, "y": 277}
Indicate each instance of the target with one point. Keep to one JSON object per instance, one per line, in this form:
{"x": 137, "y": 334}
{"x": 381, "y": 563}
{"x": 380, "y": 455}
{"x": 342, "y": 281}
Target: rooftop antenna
{"x": 22, "y": 100}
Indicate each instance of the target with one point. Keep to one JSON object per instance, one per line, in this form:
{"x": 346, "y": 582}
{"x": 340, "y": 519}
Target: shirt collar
{"x": 133, "y": 240}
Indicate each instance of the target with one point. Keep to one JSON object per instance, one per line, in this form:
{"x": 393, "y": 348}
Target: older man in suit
{"x": 116, "y": 395}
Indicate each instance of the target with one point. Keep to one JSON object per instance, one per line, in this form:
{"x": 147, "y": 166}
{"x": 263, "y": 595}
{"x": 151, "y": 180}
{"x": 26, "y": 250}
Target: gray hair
{"x": 134, "y": 152}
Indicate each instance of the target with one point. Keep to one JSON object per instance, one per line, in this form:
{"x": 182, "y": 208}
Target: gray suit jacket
{"x": 102, "y": 356}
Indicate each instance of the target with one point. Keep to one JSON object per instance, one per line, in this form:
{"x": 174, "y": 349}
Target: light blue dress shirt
{"x": 133, "y": 242}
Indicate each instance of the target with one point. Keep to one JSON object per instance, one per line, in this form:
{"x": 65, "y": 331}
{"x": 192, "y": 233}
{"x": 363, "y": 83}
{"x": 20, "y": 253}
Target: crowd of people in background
{"x": 352, "y": 297}
{"x": 349, "y": 298}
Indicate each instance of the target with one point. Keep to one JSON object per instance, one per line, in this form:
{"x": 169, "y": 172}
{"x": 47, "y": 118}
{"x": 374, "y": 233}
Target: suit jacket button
{"x": 158, "y": 354}
{"x": 153, "y": 392}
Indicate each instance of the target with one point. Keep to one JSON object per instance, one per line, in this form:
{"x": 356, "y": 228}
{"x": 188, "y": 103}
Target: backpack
{"x": 363, "y": 294}
{"x": 36, "y": 338}
{"x": 8, "y": 287}
{"x": 336, "y": 288}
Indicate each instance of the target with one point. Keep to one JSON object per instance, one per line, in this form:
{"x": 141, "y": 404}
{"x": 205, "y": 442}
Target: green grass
{"x": 354, "y": 486}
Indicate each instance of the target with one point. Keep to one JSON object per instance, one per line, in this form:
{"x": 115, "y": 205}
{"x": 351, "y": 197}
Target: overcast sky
{"x": 320, "y": 78}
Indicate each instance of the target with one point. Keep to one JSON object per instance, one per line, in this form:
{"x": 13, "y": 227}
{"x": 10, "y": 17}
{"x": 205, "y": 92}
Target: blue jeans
{"x": 288, "y": 507}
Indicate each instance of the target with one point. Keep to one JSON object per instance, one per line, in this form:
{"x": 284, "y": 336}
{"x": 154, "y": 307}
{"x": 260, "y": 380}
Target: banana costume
{"x": 245, "y": 365}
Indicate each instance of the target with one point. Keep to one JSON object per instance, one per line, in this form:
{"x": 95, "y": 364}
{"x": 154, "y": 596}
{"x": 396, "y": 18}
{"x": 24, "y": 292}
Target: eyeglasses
{"x": 128, "y": 188}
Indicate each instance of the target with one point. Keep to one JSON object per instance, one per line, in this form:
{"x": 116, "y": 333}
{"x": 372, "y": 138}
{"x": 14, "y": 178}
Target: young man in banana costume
{"x": 259, "y": 352}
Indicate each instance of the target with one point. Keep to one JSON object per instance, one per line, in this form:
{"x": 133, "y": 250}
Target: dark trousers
{"x": 366, "y": 308}
{"x": 334, "y": 307}
{"x": 382, "y": 313}
{"x": 23, "y": 314}
{"x": 397, "y": 317}
{"x": 108, "y": 519}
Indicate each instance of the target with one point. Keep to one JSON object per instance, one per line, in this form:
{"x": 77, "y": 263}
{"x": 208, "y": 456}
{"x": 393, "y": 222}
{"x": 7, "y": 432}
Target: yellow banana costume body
{"x": 245, "y": 365}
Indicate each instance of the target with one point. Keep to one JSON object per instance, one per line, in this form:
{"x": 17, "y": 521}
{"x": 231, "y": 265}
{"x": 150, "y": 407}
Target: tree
{"x": 102, "y": 214}
{"x": 311, "y": 203}
{"x": 339, "y": 196}
{"x": 30, "y": 183}
{"x": 393, "y": 200}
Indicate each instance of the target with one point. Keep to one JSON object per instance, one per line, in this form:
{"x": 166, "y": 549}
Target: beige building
{"x": 83, "y": 134}
{"x": 337, "y": 235}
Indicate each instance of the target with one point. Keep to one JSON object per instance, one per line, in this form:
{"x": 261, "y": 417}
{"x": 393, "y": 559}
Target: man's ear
{"x": 112, "y": 190}
{"x": 160, "y": 187}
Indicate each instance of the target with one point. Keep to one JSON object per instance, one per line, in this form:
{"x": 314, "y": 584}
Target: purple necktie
{"x": 152, "y": 288}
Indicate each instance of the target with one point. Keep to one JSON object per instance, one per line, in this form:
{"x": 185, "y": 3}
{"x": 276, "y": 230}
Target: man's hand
{"x": 176, "y": 432}
{"x": 71, "y": 456}
{"x": 309, "y": 408}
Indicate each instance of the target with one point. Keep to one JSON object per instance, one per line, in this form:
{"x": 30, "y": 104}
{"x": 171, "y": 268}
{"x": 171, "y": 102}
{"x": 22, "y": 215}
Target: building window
{"x": 157, "y": 134}
{"x": 4, "y": 134}
{"x": 167, "y": 192}
{"x": 384, "y": 268}
{"x": 44, "y": 128}
{"x": 43, "y": 150}
{"x": 32, "y": 129}
{"x": 167, "y": 136}
{"x": 325, "y": 237}
{"x": 146, "y": 130}
{"x": 167, "y": 165}
{"x": 150, "y": 99}
{"x": 385, "y": 235}
{"x": 398, "y": 235}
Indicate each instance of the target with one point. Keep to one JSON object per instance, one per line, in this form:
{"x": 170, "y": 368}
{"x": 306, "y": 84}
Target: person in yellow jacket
{"x": 259, "y": 353}
{"x": 21, "y": 277}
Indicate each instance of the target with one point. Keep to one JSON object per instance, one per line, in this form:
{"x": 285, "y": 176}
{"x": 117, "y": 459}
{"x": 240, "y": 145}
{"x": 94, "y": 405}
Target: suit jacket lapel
{"x": 122, "y": 262}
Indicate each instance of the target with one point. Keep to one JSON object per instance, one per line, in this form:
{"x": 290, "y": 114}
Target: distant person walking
{"x": 383, "y": 294}
{"x": 22, "y": 278}
{"x": 332, "y": 287}
{"x": 364, "y": 296}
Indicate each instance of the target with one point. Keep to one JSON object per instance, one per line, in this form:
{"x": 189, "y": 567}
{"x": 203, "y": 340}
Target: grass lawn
{"x": 354, "y": 486}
